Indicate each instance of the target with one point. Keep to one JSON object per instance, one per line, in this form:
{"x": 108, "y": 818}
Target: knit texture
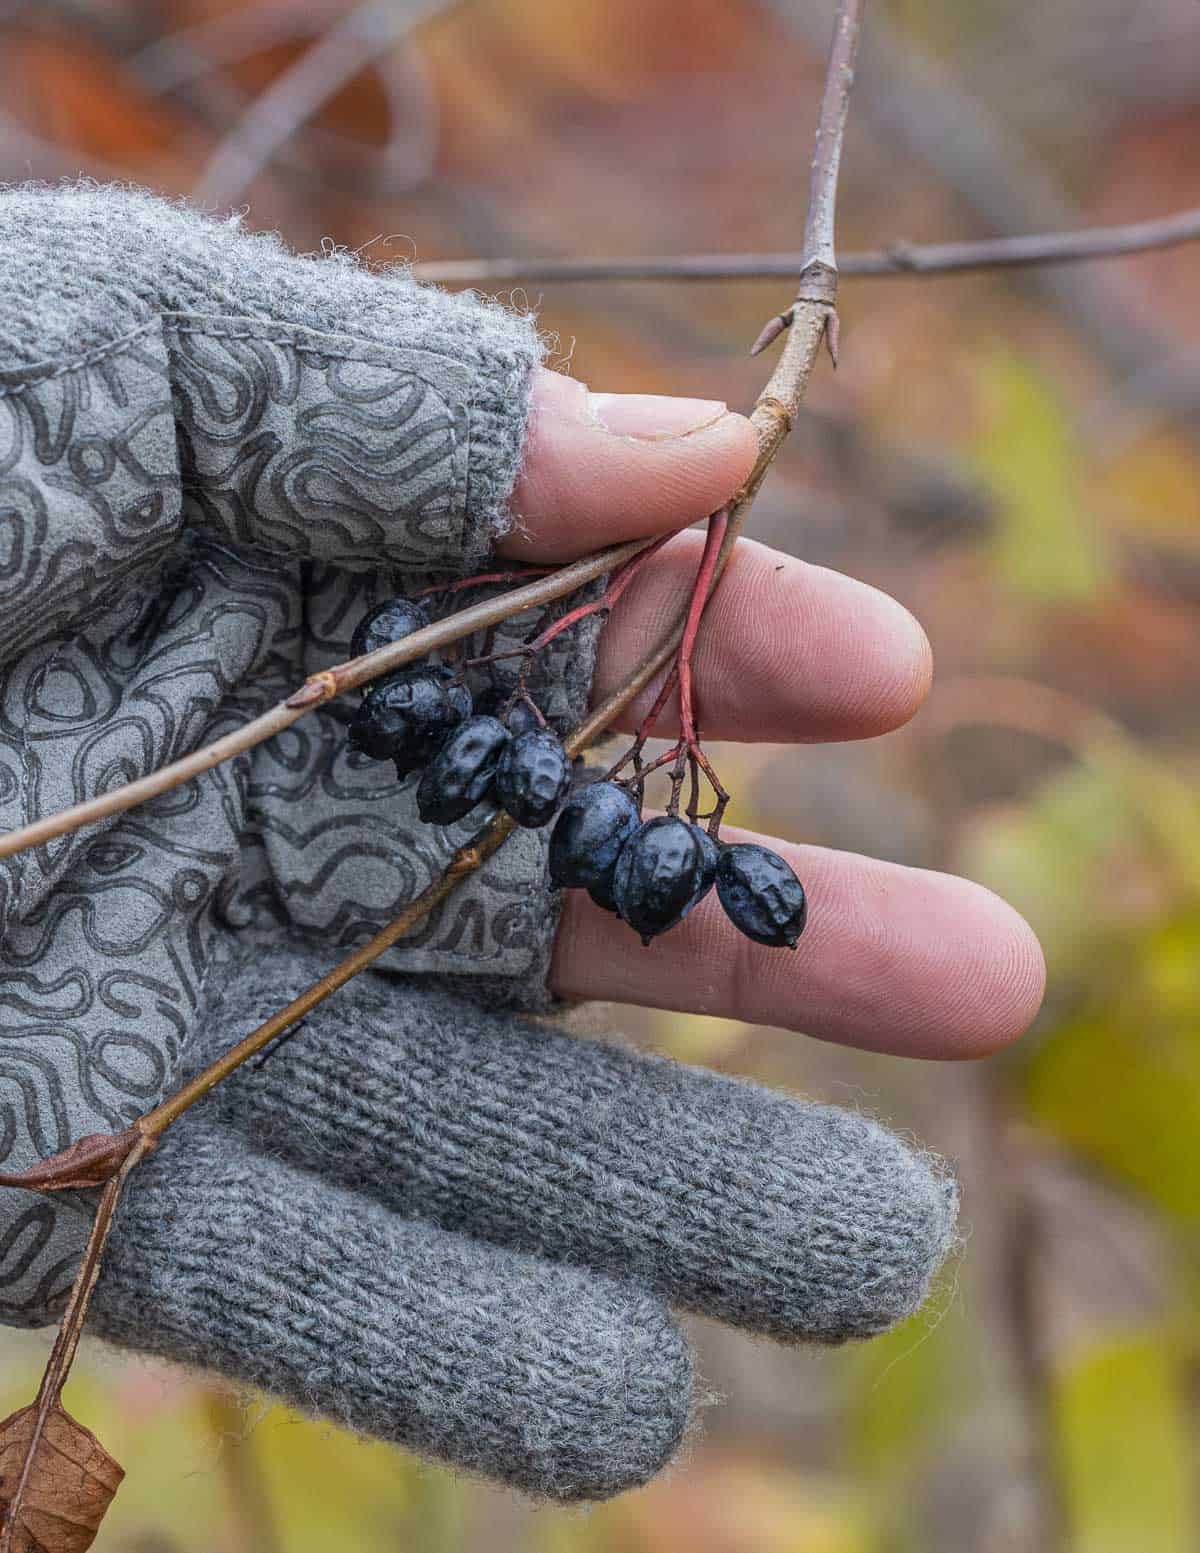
{"x": 86, "y": 265}
{"x": 215, "y": 457}
{"x": 796, "y": 1220}
{"x": 559, "y": 1382}
{"x": 423, "y": 1217}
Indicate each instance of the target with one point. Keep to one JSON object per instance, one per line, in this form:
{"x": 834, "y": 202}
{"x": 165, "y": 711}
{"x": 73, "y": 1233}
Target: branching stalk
{"x": 773, "y": 416}
{"x": 812, "y": 318}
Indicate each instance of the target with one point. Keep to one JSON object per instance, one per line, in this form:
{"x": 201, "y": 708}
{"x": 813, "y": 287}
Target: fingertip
{"x": 980, "y": 954}
{"x": 885, "y": 666}
{"x": 1009, "y": 980}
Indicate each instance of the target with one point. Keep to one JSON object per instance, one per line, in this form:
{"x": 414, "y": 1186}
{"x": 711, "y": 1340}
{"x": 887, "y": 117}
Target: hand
{"x": 428, "y": 1219}
{"x": 894, "y": 959}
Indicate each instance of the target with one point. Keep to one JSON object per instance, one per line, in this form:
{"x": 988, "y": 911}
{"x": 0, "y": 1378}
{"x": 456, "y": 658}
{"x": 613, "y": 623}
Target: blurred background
{"x": 1015, "y": 456}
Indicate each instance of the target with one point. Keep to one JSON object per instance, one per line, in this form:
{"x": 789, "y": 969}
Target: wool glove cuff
{"x": 163, "y": 370}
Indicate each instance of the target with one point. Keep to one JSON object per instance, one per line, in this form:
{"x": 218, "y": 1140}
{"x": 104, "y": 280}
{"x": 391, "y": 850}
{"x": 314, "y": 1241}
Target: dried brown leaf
{"x": 89, "y": 1161}
{"x": 71, "y": 1482}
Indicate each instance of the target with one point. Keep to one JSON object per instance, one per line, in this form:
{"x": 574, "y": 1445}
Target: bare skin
{"x": 896, "y": 959}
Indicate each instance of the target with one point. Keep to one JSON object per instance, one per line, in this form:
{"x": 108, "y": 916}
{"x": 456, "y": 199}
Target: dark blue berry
{"x": 761, "y": 895}
{"x": 407, "y": 718}
{"x": 658, "y": 873}
{"x": 461, "y": 774}
{"x": 602, "y": 894}
{"x": 533, "y": 777}
{"x": 520, "y": 717}
{"x": 588, "y": 835}
{"x": 386, "y": 623}
{"x": 710, "y": 854}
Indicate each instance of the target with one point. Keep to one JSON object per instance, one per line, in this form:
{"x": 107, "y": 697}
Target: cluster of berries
{"x": 649, "y": 873}
{"x": 652, "y": 873}
{"x": 425, "y": 719}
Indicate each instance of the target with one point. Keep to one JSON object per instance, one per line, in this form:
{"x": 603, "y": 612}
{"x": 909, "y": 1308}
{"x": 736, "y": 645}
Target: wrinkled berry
{"x": 461, "y": 774}
{"x": 761, "y": 895}
{"x": 406, "y": 718}
{"x": 710, "y": 854}
{"x": 658, "y": 873}
{"x": 588, "y": 835}
{"x": 533, "y": 777}
{"x": 520, "y": 717}
{"x": 388, "y": 622}
{"x": 602, "y": 895}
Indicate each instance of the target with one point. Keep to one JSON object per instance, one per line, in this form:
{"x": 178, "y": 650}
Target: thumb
{"x": 602, "y": 468}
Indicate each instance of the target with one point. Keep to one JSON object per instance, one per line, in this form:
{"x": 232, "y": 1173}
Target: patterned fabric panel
{"x": 89, "y": 484}
{"x": 313, "y": 445}
{"x": 155, "y": 593}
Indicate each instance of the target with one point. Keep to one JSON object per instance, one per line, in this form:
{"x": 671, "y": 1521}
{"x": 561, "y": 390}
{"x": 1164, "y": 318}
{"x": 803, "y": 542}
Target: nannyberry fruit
{"x": 388, "y": 622}
{"x": 761, "y": 895}
{"x": 533, "y": 777}
{"x": 406, "y": 718}
{"x": 462, "y": 772}
{"x": 588, "y": 835}
{"x": 658, "y": 874}
{"x": 520, "y": 717}
{"x": 602, "y": 895}
{"x": 710, "y": 854}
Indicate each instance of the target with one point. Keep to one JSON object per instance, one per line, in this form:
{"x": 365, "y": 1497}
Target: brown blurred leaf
{"x": 89, "y": 1161}
{"x": 71, "y": 1482}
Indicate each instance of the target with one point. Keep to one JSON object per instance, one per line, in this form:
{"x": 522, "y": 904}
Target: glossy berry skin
{"x": 520, "y": 716}
{"x": 588, "y": 835}
{"x": 406, "y": 718}
{"x": 462, "y": 772}
{"x": 533, "y": 777}
{"x": 710, "y": 855}
{"x": 761, "y": 895}
{"x": 388, "y": 622}
{"x": 658, "y": 874}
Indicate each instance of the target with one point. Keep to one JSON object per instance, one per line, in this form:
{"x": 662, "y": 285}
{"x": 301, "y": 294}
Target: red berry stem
{"x": 617, "y": 585}
{"x": 687, "y": 755}
{"x": 691, "y": 755}
{"x": 516, "y": 574}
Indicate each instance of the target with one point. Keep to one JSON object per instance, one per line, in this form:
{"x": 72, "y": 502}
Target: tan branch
{"x": 66, "y": 1341}
{"x": 317, "y": 689}
{"x": 898, "y": 258}
{"x": 773, "y": 416}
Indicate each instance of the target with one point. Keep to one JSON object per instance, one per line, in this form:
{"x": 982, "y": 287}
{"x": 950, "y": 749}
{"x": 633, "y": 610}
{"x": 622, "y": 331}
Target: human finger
{"x": 787, "y": 652}
{"x": 892, "y": 959}
{"x": 603, "y": 468}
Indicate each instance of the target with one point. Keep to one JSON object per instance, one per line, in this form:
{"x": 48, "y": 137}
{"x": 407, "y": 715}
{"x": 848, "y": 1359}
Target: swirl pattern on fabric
{"x": 158, "y": 590}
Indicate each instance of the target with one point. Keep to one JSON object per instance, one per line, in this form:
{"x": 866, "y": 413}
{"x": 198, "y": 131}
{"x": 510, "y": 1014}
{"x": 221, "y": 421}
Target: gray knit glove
{"x": 438, "y": 1224}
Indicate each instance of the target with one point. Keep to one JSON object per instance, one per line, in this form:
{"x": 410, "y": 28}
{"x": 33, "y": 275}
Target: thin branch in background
{"x": 898, "y": 258}
{"x": 178, "y": 62}
{"x": 300, "y": 92}
{"x": 914, "y": 101}
{"x": 192, "y": 52}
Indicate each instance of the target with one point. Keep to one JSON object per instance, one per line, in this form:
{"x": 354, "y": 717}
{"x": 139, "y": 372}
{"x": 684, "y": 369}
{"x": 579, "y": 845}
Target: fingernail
{"x": 654, "y": 417}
